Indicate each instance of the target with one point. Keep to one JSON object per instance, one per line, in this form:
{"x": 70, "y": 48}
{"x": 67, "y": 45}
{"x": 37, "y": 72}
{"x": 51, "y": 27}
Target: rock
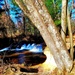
{"x": 8, "y": 28}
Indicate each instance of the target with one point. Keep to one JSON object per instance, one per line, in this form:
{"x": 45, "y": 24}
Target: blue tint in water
{"x": 31, "y": 47}
{"x": 21, "y": 58}
{"x": 4, "y": 49}
{"x": 37, "y": 49}
{"x": 23, "y": 46}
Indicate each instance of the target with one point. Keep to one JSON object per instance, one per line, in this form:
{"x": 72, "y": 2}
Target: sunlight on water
{"x": 23, "y": 46}
{"x": 31, "y": 47}
{"x": 37, "y": 48}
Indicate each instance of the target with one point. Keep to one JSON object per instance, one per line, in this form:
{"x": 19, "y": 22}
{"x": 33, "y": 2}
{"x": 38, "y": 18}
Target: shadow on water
{"x": 21, "y": 39}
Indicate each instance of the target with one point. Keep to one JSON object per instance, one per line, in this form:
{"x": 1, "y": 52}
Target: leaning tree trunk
{"x": 37, "y": 12}
{"x": 54, "y": 33}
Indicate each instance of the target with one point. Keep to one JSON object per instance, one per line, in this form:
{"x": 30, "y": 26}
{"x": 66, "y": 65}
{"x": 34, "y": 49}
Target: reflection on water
{"x": 20, "y": 53}
{"x": 31, "y": 47}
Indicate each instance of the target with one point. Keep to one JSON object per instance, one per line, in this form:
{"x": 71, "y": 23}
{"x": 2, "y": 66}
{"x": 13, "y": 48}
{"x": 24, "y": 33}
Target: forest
{"x": 37, "y": 37}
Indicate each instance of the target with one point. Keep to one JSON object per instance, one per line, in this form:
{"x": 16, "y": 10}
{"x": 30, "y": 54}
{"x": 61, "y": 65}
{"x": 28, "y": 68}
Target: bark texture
{"x": 54, "y": 33}
{"x": 70, "y": 34}
{"x": 63, "y": 19}
{"x": 38, "y": 14}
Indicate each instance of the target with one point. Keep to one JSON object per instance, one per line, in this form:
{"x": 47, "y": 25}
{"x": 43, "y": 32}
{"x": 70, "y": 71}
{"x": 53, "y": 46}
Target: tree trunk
{"x": 54, "y": 33}
{"x": 63, "y": 19}
{"x": 38, "y": 14}
{"x": 70, "y": 34}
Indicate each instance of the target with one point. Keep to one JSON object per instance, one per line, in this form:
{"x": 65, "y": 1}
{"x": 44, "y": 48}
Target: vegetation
{"x": 41, "y": 17}
{"x": 54, "y": 8}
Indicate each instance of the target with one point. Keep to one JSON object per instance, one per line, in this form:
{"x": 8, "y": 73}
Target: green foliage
{"x": 49, "y": 6}
{"x": 13, "y": 1}
{"x": 29, "y": 27}
{"x": 57, "y": 22}
{"x": 54, "y": 8}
